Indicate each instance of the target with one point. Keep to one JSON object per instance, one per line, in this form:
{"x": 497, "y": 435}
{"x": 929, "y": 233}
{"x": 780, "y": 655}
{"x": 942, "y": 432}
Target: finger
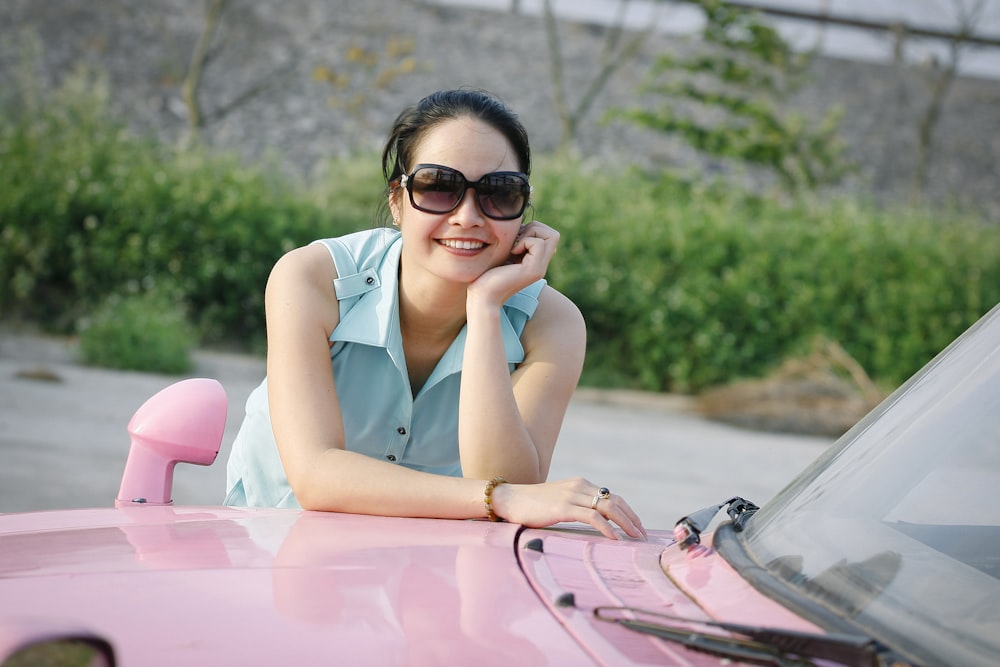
{"x": 623, "y": 520}
{"x": 617, "y": 510}
{"x": 536, "y": 247}
{"x": 537, "y": 230}
{"x": 536, "y": 225}
{"x": 630, "y": 524}
{"x": 632, "y": 516}
{"x": 597, "y": 520}
{"x": 581, "y": 509}
{"x": 605, "y": 527}
{"x": 545, "y": 233}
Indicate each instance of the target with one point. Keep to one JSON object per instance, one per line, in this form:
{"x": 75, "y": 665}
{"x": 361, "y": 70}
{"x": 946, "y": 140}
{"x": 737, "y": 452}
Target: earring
{"x": 395, "y": 222}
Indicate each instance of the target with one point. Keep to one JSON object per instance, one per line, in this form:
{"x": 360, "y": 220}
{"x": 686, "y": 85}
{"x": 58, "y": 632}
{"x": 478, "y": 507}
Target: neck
{"x": 431, "y": 311}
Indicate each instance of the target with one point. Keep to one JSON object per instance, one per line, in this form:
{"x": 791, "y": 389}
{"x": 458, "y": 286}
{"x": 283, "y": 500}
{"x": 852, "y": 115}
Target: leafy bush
{"x": 146, "y": 332}
{"x": 684, "y": 285}
{"x": 89, "y": 210}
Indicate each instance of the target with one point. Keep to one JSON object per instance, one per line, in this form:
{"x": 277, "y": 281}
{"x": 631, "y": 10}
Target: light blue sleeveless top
{"x": 382, "y": 418}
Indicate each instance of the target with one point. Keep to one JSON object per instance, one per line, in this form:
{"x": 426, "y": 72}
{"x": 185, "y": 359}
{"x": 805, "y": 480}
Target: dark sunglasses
{"x": 433, "y": 188}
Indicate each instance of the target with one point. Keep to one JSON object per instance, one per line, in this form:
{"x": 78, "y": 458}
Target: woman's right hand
{"x": 541, "y": 505}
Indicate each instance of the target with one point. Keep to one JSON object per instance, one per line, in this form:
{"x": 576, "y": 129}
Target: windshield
{"x": 898, "y": 526}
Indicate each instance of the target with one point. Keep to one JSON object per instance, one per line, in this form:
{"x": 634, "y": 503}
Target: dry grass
{"x": 823, "y": 393}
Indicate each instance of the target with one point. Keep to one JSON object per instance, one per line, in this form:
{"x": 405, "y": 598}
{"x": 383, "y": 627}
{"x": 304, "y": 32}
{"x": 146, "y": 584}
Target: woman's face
{"x": 461, "y": 245}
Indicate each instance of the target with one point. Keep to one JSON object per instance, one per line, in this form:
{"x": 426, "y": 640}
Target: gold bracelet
{"x": 488, "y": 497}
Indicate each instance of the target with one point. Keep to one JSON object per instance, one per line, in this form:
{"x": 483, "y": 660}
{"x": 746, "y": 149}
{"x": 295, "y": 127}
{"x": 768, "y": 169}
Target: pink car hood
{"x": 212, "y": 586}
{"x": 575, "y": 573}
{"x": 215, "y": 586}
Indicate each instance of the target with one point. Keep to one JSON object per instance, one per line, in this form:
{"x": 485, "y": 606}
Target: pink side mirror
{"x": 183, "y": 423}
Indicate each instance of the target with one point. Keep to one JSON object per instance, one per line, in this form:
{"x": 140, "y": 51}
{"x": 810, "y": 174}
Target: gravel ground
{"x": 303, "y": 80}
{"x": 63, "y": 438}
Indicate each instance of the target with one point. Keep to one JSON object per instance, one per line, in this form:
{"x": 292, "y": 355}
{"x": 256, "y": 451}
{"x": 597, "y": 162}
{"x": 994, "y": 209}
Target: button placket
{"x": 399, "y": 439}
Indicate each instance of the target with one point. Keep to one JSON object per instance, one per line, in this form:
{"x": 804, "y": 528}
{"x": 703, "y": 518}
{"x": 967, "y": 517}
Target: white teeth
{"x": 463, "y": 245}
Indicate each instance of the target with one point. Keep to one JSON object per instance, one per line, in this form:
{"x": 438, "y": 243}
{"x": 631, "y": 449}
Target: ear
{"x": 395, "y": 207}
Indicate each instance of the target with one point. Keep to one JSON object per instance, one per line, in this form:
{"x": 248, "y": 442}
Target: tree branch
{"x": 192, "y": 82}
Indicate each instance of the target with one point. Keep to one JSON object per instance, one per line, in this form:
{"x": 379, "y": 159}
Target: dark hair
{"x": 415, "y": 121}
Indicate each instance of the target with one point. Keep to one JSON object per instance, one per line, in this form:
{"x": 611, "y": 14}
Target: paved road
{"x": 63, "y": 439}
{"x": 837, "y": 41}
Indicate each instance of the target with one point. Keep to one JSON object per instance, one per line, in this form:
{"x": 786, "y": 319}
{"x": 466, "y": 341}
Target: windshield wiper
{"x": 754, "y": 645}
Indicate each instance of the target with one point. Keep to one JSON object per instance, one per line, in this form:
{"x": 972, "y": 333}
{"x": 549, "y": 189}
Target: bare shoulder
{"x": 310, "y": 263}
{"x": 557, "y": 320}
{"x": 554, "y": 304}
{"x": 300, "y": 288}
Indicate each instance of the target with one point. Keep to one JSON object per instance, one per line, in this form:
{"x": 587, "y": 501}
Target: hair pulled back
{"x": 414, "y": 122}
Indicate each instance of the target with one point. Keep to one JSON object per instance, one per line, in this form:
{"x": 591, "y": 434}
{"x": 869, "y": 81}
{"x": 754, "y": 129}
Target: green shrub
{"x": 684, "y": 285}
{"x": 142, "y": 332}
{"x": 89, "y": 210}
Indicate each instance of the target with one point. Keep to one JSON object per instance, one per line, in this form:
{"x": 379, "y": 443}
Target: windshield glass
{"x": 898, "y": 525}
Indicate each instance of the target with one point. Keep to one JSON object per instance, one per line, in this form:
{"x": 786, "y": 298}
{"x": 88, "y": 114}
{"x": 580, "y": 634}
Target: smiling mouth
{"x": 462, "y": 245}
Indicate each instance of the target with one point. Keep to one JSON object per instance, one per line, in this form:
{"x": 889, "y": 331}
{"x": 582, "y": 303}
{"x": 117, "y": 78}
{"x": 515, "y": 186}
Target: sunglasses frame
{"x": 406, "y": 181}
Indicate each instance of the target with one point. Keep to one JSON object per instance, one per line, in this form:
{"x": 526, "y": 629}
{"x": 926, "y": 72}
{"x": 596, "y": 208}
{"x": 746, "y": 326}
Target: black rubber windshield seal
{"x": 729, "y": 544}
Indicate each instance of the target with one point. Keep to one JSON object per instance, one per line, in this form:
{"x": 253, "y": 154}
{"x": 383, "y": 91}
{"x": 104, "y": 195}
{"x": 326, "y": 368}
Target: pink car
{"x": 886, "y": 551}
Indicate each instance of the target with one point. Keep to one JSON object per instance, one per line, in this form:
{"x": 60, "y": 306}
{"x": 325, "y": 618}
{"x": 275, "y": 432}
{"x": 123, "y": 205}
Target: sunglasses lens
{"x": 436, "y": 189}
{"x": 502, "y": 195}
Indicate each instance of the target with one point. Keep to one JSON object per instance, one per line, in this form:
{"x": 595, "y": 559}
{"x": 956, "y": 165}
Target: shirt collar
{"x": 374, "y": 318}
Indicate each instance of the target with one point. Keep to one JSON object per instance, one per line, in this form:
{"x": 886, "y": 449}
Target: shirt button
{"x": 401, "y": 430}
{"x": 369, "y": 280}
{"x": 391, "y": 457}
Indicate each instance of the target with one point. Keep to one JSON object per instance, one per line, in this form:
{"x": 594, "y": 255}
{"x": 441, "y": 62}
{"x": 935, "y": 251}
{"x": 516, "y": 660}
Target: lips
{"x": 462, "y": 245}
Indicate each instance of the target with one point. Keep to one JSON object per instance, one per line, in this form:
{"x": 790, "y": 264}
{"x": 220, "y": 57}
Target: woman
{"x": 453, "y": 362}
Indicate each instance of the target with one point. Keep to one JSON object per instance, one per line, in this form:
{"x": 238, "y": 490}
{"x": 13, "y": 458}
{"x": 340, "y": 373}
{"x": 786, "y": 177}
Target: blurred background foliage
{"x": 713, "y": 284}
{"x": 685, "y": 283}
{"x": 724, "y": 99}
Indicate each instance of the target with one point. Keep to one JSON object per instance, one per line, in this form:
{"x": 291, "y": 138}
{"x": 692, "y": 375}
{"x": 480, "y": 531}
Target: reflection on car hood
{"x": 575, "y": 574}
{"x": 216, "y": 586}
{"x": 208, "y": 585}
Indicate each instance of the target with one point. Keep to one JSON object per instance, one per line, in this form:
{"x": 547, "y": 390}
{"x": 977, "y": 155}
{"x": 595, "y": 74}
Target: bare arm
{"x": 302, "y": 311}
{"x": 509, "y": 424}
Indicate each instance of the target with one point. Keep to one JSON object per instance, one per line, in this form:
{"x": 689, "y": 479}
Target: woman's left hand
{"x": 541, "y": 505}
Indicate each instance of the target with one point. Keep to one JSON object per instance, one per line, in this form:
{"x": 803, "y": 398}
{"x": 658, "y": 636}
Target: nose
{"x": 468, "y": 211}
